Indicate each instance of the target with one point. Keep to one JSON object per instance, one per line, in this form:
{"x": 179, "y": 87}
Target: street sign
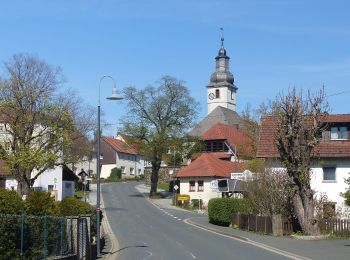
{"x": 214, "y": 186}
{"x": 176, "y": 187}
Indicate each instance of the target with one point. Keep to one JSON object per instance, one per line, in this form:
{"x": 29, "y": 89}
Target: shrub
{"x": 40, "y": 203}
{"x": 71, "y": 206}
{"x": 116, "y": 174}
{"x": 10, "y": 202}
{"x": 220, "y": 210}
{"x": 196, "y": 202}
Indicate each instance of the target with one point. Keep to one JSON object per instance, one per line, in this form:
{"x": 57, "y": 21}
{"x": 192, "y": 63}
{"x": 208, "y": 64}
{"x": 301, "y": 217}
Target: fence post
{"x": 45, "y": 236}
{"x": 22, "y": 235}
{"x": 61, "y": 240}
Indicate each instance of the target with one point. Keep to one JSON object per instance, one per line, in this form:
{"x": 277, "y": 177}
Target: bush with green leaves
{"x": 10, "y": 202}
{"x": 116, "y": 174}
{"x": 71, "y": 206}
{"x": 41, "y": 203}
{"x": 220, "y": 210}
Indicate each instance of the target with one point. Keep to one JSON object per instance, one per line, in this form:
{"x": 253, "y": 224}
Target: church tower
{"x": 221, "y": 91}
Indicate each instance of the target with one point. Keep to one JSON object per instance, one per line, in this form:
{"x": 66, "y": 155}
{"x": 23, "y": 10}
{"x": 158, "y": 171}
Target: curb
{"x": 188, "y": 221}
{"x": 275, "y": 250}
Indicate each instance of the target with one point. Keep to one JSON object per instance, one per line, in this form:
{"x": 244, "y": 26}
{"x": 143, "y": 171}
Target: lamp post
{"x": 172, "y": 149}
{"x": 114, "y": 96}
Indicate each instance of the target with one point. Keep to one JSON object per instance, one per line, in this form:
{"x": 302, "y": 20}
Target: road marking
{"x": 147, "y": 256}
{"x": 253, "y": 243}
{"x": 193, "y": 256}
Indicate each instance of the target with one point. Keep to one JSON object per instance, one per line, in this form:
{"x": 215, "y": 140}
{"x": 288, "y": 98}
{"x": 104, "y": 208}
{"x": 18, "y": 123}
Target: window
{"x": 329, "y": 173}
{"x": 131, "y": 171}
{"x": 217, "y": 93}
{"x": 192, "y": 186}
{"x": 200, "y": 186}
{"x": 339, "y": 133}
{"x": 49, "y": 187}
{"x": 122, "y": 168}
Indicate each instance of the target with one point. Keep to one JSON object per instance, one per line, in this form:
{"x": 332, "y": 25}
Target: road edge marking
{"x": 250, "y": 242}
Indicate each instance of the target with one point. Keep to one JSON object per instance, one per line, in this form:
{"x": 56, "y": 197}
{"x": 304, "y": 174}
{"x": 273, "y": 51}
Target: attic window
{"x": 339, "y": 133}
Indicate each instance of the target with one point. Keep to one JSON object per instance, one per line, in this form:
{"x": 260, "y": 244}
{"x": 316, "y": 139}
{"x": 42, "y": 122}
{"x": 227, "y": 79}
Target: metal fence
{"x": 42, "y": 237}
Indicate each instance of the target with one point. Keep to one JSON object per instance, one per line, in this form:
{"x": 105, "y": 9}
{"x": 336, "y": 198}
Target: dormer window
{"x": 339, "y": 133}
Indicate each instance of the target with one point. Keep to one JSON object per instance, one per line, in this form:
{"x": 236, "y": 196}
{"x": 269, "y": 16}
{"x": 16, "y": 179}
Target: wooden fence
{"x": 264, "y": 224}
{"x": 339, "y": 227}
{"x": 261, "y": 224}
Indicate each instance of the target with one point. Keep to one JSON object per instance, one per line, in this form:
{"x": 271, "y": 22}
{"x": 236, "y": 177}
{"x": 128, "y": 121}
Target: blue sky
{"x": 273, "y": 44}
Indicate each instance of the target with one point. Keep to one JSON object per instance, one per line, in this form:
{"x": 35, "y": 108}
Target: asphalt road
{"x": 145, "y": 231}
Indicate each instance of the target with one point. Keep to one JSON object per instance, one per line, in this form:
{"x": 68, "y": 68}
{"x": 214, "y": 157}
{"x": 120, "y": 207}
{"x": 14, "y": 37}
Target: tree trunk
{"x": 303, "y": 203}
{"x": 154, "y": 176}
{"x": 25, "y": 184}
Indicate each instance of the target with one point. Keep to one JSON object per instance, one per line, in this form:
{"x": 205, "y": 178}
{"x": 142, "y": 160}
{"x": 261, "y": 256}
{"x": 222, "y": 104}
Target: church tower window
{"x": 217, "y": 93}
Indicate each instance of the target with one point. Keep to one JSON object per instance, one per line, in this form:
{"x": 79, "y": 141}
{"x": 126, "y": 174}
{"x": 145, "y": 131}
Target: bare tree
{"x": 299, "y": 131}
{"x": 159, "y": 117}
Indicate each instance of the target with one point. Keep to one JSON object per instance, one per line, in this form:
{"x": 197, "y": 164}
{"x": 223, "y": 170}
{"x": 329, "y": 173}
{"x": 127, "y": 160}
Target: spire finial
{"x": 222, "y": 36}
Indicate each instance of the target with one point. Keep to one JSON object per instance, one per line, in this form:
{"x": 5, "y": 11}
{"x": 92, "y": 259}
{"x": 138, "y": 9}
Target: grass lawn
{"x": 80, "y": 193}
{"x": 163, "y": 186}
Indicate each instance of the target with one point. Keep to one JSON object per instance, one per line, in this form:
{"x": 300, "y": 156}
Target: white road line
{"x": 257, "y": 244}
{"x": 193, "y": 256}
{"x": 147, "y": 256}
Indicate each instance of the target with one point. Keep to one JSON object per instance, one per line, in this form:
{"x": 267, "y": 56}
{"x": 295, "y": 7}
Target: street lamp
{"x": 114, "y": 96}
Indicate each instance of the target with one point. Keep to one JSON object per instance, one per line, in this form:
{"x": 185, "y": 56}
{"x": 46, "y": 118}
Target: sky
{"x": 272, "y": 44}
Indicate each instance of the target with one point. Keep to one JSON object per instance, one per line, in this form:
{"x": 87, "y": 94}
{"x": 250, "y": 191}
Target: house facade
{"x": 331, "y": 158}
{"x": 59, "y": 181}
{"x": 116, "y": 152}
{"x": 196, "y": 178}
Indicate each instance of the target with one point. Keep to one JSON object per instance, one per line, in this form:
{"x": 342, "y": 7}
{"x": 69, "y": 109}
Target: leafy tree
{"x": 116, "y": 174}
{"x": 159, "y": 117}
{"x": 39, "y": 123}
{"x": 299, "y": 131}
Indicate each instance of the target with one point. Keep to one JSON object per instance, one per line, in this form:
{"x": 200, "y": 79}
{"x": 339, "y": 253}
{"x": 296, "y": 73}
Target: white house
{"x": 116, "y": 152}
{"x": 195, "y": 179}
{"x": 60, "y": 181}
{"x": 331, "y": 159}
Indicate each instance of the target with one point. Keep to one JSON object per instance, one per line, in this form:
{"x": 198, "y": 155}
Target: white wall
{"x": 204, "y": 195}
{"x": 331, "y": 189}
{"x": 106, "y": 170}
{"x": 11, "y": 184}
{"x": 51, "y": 177}
{"x": 225, "y": 99}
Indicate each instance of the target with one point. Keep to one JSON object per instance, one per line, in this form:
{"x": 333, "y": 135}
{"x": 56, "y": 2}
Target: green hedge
{"x": 10, "y": 202}
{"x": 220, "y": 210}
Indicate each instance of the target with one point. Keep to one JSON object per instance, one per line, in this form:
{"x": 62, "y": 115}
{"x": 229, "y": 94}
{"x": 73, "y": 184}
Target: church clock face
{"x": 211, "y": 96}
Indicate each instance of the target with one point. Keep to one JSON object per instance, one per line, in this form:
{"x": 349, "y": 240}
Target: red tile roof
{"x": 326, "y": 149}
{"x": 119, "y": 145}
{"x": 235, "y": 137}
{"x": 208, "y": 165}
